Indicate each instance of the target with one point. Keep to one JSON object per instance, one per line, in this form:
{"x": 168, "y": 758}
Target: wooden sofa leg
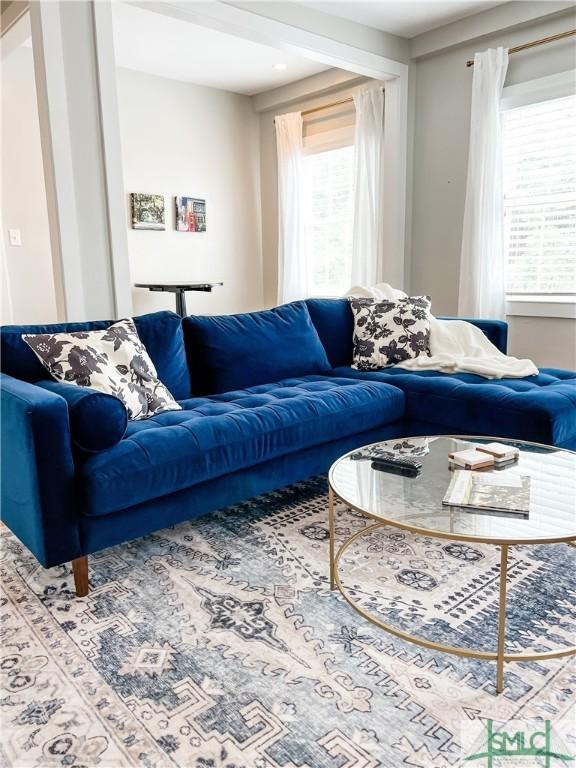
{"x": 80, "y": 570}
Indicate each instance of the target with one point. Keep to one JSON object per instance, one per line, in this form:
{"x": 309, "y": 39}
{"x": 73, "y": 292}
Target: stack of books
{"x": 496, "y": 455}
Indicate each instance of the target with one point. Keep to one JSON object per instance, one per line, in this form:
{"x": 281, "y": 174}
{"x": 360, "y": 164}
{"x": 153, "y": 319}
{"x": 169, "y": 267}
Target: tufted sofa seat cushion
{"x": 216, "y": 435}
{"x": 539, "y": 408}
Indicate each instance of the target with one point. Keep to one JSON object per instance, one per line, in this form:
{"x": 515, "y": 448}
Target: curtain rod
{"x": 534, "y": 43}
{"x": 312, "y": 110}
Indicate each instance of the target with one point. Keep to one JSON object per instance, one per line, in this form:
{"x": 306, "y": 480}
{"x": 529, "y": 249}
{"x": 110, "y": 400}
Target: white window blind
{"x": 540, "y": 197}
{"x": 329, "y": 218}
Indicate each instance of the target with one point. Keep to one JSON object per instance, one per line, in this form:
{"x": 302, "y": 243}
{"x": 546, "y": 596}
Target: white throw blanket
{"x": 455, "y": 345}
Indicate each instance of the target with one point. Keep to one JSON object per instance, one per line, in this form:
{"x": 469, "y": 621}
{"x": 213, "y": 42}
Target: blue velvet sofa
{"x": 268, "y": 398}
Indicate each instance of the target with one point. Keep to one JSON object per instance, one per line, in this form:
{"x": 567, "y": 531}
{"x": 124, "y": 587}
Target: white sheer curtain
{"x": 292, "y": 283}
{"x": 482, "y": 281}
{"x": 367, "y": 245}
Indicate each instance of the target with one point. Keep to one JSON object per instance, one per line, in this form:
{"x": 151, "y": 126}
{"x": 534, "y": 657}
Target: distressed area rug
{"x": 218, "y": 644}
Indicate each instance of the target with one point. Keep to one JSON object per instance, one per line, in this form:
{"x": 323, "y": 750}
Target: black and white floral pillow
{"x": 113, "y": 361}
{"x": 387, "y": 332}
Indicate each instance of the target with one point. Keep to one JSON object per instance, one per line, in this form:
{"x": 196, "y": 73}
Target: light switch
{"x": 15, "y": 237}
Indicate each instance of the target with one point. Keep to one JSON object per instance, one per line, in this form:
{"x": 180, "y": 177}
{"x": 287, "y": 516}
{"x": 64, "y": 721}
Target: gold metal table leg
{"x": 502, "y": 618}
{"x": 331, "y": 531}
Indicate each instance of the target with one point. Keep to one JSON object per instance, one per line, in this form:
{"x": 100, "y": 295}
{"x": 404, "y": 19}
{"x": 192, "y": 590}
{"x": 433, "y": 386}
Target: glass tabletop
{"x": 415, "y": 503}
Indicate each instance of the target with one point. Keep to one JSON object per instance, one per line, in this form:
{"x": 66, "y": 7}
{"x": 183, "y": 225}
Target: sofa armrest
{"x": 97, "y": 420}
{"x": 37, "y": 471}
{"x": 495, "y": 330}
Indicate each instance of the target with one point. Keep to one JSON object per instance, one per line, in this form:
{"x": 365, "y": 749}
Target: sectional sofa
{"x": 268, "y": 398}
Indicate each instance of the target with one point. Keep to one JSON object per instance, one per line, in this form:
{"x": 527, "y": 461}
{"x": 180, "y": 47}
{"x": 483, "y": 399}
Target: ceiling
{"x": 406, "y": 18}
{"x": 161, "y": 45}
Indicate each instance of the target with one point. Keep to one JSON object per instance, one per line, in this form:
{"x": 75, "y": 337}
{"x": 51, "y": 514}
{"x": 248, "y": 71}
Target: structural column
{"x": 79, "y": 126}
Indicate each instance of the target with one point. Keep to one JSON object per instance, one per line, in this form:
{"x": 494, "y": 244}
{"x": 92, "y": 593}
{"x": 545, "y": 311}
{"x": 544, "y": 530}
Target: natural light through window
{"x": 329, "y": 219}
{"x": 540, "y": 197}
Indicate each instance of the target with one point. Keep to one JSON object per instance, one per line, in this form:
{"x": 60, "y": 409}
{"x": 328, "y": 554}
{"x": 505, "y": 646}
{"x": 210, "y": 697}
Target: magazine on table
{"x": 489, "y": 493}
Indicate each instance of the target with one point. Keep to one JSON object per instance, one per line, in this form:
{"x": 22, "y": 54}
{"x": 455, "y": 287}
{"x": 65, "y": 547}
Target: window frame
{"x": 522, "y": 95}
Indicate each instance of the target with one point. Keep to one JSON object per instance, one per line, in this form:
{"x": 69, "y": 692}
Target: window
{"x": 540, "y": 197}
{"x": 329, "y": 220}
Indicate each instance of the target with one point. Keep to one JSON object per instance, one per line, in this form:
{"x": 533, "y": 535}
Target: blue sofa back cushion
{"x": 160, "y": 332}
{"x": 334, "y": 322}
{"x": 231, "y": 352}
{"x": 97, "y": 420}
{"x": 495, "y": 330}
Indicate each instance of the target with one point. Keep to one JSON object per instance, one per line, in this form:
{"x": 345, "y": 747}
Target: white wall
{"x": 184, "y": 139}
{"x": 442, "y": 124}
{"x": 27, "y": 279}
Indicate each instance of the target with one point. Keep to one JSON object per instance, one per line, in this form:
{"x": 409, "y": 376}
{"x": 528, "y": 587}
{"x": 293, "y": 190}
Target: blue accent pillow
{"x": 232, "y": 352}
{"x": 97, "y": 420}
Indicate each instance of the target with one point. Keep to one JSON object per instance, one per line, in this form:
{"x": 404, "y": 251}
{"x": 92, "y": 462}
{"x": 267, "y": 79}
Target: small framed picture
{"x": 147, "y": 211}
{"x": 190, "y": 214}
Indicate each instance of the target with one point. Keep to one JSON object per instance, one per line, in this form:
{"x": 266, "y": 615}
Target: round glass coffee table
{"x": 415, "y": 504}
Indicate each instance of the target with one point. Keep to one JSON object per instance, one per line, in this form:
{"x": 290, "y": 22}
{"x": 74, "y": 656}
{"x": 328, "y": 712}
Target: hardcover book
{"x": 505, "y": 493}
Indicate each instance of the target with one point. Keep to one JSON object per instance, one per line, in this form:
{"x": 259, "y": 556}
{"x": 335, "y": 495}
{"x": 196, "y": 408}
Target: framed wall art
{"x": 190, "y": 214}
{"x": 147, "y": 211}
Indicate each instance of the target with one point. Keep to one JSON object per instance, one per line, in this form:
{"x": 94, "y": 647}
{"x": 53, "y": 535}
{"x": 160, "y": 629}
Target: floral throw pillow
{"x": 113, "y": 361}
{"x": 387, "y": 332}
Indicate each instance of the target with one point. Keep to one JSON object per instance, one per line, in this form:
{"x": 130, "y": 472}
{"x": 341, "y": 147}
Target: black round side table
{"x": 179, "y": 289}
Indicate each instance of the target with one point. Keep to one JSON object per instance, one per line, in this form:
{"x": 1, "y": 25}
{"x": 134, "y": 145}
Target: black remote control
{"x": 409, "y": 468}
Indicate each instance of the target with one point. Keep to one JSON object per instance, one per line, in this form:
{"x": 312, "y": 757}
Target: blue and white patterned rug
{"x": 218, "y": 644}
